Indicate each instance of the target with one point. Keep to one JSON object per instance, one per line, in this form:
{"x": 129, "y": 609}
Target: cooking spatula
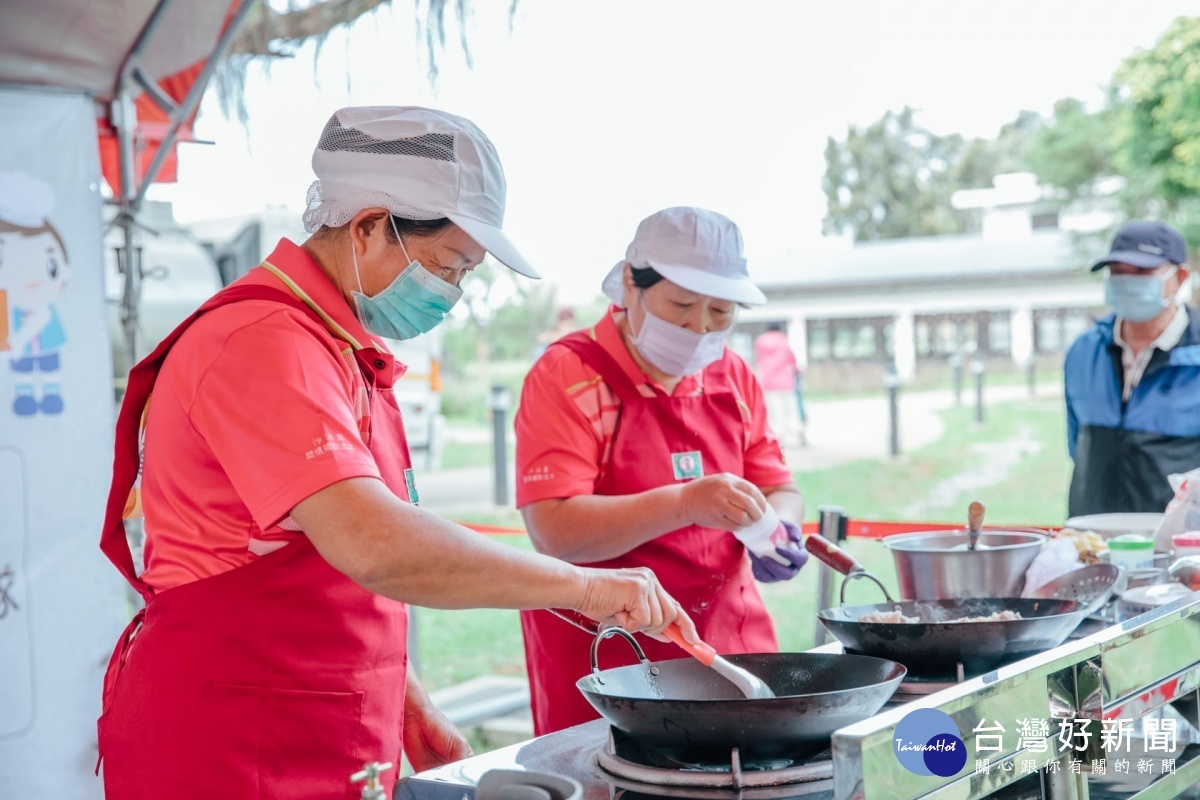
{"x": 750, "y": 685}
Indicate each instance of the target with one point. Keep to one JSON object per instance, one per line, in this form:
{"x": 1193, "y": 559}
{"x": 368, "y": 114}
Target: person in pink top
{"x": 780, "y": 376}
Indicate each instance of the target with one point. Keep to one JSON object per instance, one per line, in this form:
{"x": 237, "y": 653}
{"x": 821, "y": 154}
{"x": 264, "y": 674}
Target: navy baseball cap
{"x": 1145, "y": 245}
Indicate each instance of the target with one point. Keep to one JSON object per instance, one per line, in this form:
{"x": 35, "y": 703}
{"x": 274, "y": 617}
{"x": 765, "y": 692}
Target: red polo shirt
{"x": 256, "y": 408}
{"x": 567, "y": 417}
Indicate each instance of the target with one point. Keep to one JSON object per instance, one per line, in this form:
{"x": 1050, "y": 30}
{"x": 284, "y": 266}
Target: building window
{"x": 943, "y": 335}
{"x": 1042, "y": 221}
{"x": 999, "y": 334}
{"x": 1054, "y": 329}
{"x": 860, "y": 339}
{"x": 818, "y": 340}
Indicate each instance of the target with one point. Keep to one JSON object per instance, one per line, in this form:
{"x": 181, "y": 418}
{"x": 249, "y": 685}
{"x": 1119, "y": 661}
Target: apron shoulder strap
{"x": 593, "y": 354}
{"x": 123, "y": 497}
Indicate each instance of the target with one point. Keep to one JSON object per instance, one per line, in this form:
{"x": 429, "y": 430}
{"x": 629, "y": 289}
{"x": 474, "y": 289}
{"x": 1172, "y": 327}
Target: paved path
{"x": 839, "y": 431}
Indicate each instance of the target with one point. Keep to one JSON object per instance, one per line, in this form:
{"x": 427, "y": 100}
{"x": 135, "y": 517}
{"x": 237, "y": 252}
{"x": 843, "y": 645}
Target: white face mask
{"x": 675, "y": 350}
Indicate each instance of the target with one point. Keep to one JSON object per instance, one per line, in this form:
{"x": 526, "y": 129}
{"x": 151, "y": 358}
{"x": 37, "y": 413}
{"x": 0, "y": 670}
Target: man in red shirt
{"x": 643, "y": 441}
{"x": 270, "y": 659}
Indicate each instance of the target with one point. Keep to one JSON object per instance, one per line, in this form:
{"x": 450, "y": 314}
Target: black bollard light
{"x": 499, "y": 401}
{"x": 978, "y": 367}
{"x": 892, "y": 383}
{"x": 956, "y": 365}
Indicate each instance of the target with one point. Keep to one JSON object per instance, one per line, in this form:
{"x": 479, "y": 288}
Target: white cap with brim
{"x": 417, "y": 163}
{"x": 697, "y": 249}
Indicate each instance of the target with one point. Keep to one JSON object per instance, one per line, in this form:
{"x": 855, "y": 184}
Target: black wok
{"x": 933, "y": 647}
{"x": 685, "y": 711}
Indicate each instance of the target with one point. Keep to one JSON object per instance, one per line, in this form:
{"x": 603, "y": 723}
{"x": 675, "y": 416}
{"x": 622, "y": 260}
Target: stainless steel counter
{"x": 1145, "y": 671}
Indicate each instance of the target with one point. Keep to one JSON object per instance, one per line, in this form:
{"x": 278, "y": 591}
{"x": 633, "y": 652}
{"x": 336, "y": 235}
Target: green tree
{"x": 1157, "y": 142}
{"x": 1074, "y": 149}
{"x": 279, "y": 28}
{"x": 894, "y": 178}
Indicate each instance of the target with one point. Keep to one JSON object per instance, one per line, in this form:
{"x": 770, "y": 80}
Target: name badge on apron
{"x": 410, "y": 482}
{"x": 687, "y": 465}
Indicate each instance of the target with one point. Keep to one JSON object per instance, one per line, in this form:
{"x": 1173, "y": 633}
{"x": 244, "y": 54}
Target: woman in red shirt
{"x": 282, "y": 532}
{"x": 643, "y": 441}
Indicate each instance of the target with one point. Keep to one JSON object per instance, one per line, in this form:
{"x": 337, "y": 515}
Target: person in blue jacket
{"x": 1133, "y": 381}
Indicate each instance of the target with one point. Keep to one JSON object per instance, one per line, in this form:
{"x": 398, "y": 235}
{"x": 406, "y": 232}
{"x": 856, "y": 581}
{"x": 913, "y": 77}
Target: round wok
{"x": 932, "y": 647}
{"x": 686, "y": 711}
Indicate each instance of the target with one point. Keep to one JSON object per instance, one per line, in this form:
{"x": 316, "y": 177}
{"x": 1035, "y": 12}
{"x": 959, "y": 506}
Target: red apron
{"x": 705, "y": 569}
{"x": 277, "y": 679}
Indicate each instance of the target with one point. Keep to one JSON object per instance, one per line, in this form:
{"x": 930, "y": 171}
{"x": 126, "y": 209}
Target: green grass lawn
{"x": 1021, "y": 470}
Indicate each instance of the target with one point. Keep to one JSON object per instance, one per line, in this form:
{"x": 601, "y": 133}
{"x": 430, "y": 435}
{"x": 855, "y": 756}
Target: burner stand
{"x": 781, "y": 779}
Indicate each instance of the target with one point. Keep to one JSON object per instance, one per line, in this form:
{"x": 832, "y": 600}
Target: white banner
{"x": 62, "y": 605}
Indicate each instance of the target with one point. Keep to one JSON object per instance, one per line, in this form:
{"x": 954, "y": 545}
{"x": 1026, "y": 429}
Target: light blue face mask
{"x": 1137, "y": 298}
{"x": 414, "y": 303}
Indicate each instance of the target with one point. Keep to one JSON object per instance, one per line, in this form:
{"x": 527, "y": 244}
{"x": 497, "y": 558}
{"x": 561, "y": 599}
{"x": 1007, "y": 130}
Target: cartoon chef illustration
{"x": 33, "y": 273}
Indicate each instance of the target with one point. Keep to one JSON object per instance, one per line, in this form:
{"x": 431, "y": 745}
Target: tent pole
{"x": 133, "y": 188}
{"x": 192, "y": 100}
{"x": 124, "y": 114}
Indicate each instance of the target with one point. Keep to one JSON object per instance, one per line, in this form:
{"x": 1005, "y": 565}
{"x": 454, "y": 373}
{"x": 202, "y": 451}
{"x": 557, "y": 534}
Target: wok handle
{"x": 624, "y": 634}
{"x": 829, "y": 553}
{"x": 704, "y": 653}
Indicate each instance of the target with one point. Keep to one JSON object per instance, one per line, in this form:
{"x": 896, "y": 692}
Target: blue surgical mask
{"x": 414, "y": 303}
{"x": 1137, "y": 298}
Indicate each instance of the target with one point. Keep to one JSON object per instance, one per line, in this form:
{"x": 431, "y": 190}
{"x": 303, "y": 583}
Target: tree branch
{"x": 268, "y": 32}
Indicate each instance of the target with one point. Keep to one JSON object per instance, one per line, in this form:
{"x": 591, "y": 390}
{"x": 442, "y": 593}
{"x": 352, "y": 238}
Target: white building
{"x": 1017, "y": 291}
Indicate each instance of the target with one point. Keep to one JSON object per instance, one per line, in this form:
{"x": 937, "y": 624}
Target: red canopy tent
{"x": 146, "y": 64}
{"x": 150, "y": 53}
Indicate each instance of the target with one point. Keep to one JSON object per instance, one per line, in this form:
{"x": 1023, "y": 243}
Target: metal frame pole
{"x": 501, "y": 400}
{"x": 185, "y": 109}
{"x": 134, "y": 187}
{"x": 832, "y": 527}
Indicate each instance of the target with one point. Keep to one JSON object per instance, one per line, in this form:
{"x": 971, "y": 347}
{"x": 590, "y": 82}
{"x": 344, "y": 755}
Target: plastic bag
{"x": 1057, "y": 557}
{"x": 1183, "y": 512}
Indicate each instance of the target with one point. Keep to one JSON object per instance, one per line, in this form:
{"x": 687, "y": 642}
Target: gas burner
{"x": 920, "y": 685}
{"x": 635, "y": 769}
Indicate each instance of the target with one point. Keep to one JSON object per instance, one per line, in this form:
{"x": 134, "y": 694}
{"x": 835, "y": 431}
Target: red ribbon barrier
{"x": 855, "y": 528}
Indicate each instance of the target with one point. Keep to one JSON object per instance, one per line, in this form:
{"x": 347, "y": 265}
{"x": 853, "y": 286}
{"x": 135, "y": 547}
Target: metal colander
{"x": 1090, "y": 586}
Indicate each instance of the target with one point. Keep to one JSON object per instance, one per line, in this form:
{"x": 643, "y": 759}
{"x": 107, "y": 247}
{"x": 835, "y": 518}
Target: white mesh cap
{"x": 699, "y": 250}
{"x": 417, "y": 163}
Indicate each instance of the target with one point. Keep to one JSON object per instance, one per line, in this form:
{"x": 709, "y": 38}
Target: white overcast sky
{"x": 604, "y": 111}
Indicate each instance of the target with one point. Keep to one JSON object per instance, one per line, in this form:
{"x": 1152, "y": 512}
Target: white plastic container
{"x": 763, "y": 536}
{"x": 1131, "y": 551}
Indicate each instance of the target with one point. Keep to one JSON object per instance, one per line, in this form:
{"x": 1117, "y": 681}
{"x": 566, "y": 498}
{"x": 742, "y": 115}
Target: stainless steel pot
{"x": 936, "y": 565}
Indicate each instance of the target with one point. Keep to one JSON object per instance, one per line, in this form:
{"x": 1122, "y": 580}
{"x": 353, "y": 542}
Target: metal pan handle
{"x": 601, "y": 633}
{"x": 627, "y": 636}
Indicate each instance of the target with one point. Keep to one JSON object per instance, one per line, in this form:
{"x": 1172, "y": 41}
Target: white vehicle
{"x": 179, "y": 276}
{"x": 419, "y": 395}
